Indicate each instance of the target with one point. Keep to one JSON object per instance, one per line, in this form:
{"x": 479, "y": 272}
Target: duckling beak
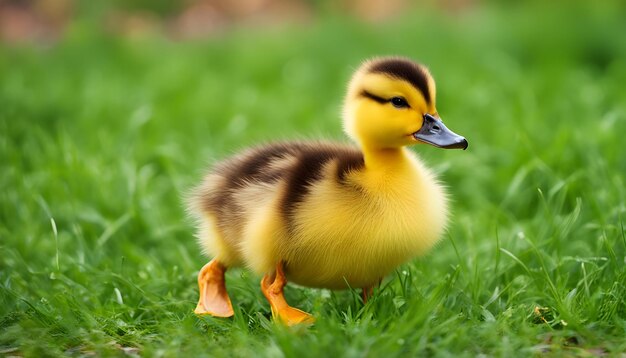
{"x": 434, "y": 132}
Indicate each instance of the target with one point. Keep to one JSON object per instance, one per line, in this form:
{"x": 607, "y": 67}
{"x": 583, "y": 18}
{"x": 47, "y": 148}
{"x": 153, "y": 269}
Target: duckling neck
{"x": 390, "y": 172}
{"x": 385, "y": 159}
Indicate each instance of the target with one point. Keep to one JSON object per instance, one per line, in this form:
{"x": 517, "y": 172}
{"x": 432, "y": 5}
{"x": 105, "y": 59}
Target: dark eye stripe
{"x": 395, "y": 100}
{"x": 374, "y": 97}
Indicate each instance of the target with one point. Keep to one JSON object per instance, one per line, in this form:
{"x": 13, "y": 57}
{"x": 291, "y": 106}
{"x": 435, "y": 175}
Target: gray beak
{"x": 434, "y": 132}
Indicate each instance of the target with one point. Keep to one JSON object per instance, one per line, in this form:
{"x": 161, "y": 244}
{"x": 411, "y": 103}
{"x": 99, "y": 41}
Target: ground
{"x": 101, "y": 137}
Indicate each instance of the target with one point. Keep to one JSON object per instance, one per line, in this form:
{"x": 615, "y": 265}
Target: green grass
{"x": 101, "y": 137}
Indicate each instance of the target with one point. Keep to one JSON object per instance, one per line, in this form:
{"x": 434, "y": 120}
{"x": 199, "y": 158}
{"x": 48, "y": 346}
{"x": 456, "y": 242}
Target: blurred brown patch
{"x": 132, "y": 24}
{"x": 198, "y": 19}
{"x": 206, "y": 17}
{"x": 45, "y": 20}
{"x": 33, "y": 20}
{"x": 376, "y": 10}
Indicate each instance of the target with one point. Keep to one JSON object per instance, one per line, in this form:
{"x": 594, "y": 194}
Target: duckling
{"x": 328, "y": 215}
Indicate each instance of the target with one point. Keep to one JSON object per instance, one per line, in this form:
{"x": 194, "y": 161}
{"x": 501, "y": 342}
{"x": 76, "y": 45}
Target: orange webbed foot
{"x": 272, "y": 286}
{"x": 292, "y": 316}
{"x": 214, "y": 299}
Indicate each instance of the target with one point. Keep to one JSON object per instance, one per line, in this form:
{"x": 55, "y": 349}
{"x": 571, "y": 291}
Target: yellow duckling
{"x": 329, "y": 215}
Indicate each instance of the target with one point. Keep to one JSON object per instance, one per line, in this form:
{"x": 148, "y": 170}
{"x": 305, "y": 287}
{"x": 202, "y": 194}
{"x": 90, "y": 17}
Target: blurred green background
{"x": 111, "y": 111}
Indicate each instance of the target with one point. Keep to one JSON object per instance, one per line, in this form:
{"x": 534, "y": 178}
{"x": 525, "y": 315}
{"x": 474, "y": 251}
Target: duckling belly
{"x": 342, "y": 267}
{"x": 352, "y": 241}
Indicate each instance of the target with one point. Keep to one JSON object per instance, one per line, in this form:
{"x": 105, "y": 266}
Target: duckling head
{"x": 391, "y": 104}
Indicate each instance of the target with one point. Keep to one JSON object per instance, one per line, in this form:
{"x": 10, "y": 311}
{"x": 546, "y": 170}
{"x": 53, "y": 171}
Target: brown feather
{"x": 295, "y": 165}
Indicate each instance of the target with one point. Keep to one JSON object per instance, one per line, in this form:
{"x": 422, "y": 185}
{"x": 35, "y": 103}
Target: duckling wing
{"x": 280, "y": 173}
{"x": 297, "y": 164}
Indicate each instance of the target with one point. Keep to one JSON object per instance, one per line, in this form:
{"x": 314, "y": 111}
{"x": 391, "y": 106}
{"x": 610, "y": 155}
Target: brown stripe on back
{"x": 254, "y": 165}
{"x": 302, "y": 165}
{"x": 309, "y": 169}
{"x": 406, "y": 70}
{"x": 349, "y": 161}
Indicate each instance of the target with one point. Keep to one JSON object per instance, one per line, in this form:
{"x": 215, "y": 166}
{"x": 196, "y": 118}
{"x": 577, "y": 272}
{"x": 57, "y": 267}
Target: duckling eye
{"x": 399, "y": 102}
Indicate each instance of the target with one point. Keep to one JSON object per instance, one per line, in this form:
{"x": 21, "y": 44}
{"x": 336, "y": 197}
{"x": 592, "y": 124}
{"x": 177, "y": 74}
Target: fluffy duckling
{"x": 329, "y": 215}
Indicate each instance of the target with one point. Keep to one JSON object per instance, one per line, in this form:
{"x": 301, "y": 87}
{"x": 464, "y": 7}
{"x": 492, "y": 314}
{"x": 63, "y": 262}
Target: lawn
{"x": 101, "y": 137}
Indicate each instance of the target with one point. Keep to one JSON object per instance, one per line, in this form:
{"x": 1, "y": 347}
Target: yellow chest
{"x": 359, "y": 236}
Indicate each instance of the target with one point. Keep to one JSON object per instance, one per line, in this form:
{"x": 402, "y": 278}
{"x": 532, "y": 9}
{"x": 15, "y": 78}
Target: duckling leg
{"x": 214, "y": 299}
{"x": 272, "y": 286}
{"x": 366, "y": 293}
